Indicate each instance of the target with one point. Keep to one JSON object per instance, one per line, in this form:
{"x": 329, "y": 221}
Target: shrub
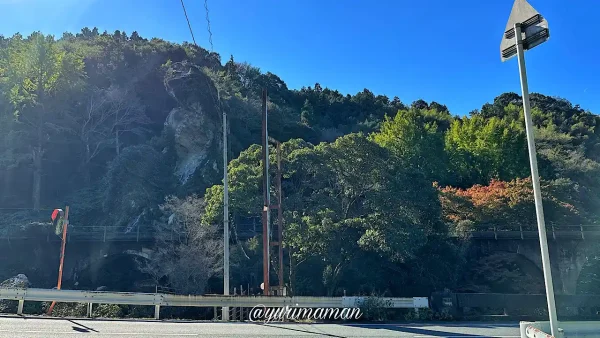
{"x": 375, "y": 308}
{"x": 427, "y": 315}
{"x": 67, "y": 309}
{"x": 108, "y": 311}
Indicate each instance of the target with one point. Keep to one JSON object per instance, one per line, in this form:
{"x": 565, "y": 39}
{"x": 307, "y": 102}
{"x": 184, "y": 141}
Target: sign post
{"x": 56, "y": 216}
{"x": 526, "y": 29}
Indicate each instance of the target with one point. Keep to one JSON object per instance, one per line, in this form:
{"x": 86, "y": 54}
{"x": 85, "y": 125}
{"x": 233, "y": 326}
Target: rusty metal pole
{"x": 266, "y": 193}
{"x": 62, "y": 256}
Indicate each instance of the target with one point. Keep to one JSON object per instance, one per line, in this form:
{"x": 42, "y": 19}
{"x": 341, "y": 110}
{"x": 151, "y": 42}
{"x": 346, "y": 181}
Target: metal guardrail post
{"x": 104, "y": 234}
{"x": 495, "y": 233}
{"x": 156, "y": 312}
{"x": 581, "y": 229}
{"x": 521, "y": 230}
{"x": 20, "y": 307}
{"x": 90, "y": 309}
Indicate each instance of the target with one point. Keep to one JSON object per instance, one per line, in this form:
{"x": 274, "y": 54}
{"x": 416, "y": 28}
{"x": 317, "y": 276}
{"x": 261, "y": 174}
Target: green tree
{"x": 34, "y": 72}
{"x": 356, "y": 199}
{"x": 413, "y": 136}
{"x": 342, "y": 200}
{"x": 307, "y": 114}
{"x": 482, "y": 149}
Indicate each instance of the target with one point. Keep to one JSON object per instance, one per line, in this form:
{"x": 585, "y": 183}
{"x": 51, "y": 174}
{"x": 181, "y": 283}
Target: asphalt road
{"x": 53, "y": 328}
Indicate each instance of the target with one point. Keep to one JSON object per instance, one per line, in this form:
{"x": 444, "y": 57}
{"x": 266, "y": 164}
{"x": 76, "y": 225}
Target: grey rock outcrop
{"x": 196, "y": 123}
{"x": 19, "y": 281}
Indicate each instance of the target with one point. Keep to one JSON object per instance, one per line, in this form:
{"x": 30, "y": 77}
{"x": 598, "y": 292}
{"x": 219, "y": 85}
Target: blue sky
{"x": 441, "y": 50}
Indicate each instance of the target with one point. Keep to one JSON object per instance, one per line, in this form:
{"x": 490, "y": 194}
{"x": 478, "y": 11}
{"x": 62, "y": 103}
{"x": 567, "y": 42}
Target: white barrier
{"x": 160, "y": 299}
{"x": 566, "y": 329}
{"x": 532, "y": 332}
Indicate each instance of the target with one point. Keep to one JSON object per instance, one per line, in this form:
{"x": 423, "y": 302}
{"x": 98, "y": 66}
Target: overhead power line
{"x": 208, "y": 25}
{"x": 188, "y": 22}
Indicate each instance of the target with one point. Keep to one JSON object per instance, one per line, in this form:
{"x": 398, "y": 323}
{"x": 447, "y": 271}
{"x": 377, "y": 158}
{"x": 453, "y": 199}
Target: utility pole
{"x": 266, "y": 196}
{"x": 279, "y": 221}
{"x": 526, "y": 29}
{"x": 278, "y": 232}
{"x": 62, "y": 256}
{"x": 266, "y": 218}
{"x": 225, "y": 215}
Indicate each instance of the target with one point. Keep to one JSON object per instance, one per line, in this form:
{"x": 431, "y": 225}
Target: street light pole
{"x": 525, "y": 30}
{"x": 539, "y": 208}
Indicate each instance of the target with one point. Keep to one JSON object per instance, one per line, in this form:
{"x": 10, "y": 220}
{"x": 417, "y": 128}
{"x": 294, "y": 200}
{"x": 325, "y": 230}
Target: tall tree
{"x": 416, "y": 140}
{"x": 33, "y": 72}
{"x": 187, "y": 253}
{"x": 481, "y": 149}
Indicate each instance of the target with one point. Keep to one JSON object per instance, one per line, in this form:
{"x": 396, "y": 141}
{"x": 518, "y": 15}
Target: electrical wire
{"x": 208, "y": 25}
{"x": 218, "y": 100}
{"x": 188, "y": 22}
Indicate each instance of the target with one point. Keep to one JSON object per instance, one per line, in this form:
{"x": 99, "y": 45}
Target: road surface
{"x": 11, "y": 327}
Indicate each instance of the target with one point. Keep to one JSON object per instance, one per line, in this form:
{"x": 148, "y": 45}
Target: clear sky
{"x": 442, "y": 50}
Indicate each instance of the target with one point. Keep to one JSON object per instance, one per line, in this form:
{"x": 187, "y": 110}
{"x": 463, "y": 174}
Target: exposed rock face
{"x": 194, "y": 136}
{"x": 196, "y": 123}
{"x": 19, "y": 281}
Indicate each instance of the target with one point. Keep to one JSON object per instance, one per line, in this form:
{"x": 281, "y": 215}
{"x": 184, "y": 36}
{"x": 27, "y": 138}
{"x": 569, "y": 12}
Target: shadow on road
{"x": 81, "y": 327}
{"x": 284, "y": 327}
{"x": 417, "y": 331}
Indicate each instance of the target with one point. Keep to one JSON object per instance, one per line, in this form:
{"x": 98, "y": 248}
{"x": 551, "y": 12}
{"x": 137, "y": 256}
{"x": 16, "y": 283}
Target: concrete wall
{"x": 567, "y": 257}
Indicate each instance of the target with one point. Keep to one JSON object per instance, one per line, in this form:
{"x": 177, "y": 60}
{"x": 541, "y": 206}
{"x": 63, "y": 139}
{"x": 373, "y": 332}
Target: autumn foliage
{"x": 505, "y": 204}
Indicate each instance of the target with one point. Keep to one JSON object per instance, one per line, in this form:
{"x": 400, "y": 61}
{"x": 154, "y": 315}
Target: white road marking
{"x": 471, "y": 336}
{"x": 111, "y": 333}
{"x": 434, "y": 324}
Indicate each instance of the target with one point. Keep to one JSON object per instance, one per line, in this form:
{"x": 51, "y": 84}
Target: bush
{"x": 375, "y": 309}
{"x": 107, "y": 311}
{"x": 8, "y": 306}
{"x": 67, "y": 309}
{"x": 140, "y": 311}
{"x": 419, "y": 315}
{"x": 33, "y": 308}
{"x": 427, "y": 315}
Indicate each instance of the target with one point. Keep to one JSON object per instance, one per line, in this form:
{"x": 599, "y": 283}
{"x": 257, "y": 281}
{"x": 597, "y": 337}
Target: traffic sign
{"x": 534, "y": 28}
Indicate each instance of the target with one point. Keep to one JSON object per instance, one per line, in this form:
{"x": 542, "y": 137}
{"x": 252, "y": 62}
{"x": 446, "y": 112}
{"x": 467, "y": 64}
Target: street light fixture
{"x": 526, "y": 29}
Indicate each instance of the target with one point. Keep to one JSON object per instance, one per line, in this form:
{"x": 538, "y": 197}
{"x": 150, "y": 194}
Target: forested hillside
{"x": 127, "y": 131}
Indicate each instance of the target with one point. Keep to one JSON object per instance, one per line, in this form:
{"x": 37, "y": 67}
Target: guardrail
{"x": 111, "y": 233}
{"x": 574, "y": 232}
{"x": 160, "y": 299}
